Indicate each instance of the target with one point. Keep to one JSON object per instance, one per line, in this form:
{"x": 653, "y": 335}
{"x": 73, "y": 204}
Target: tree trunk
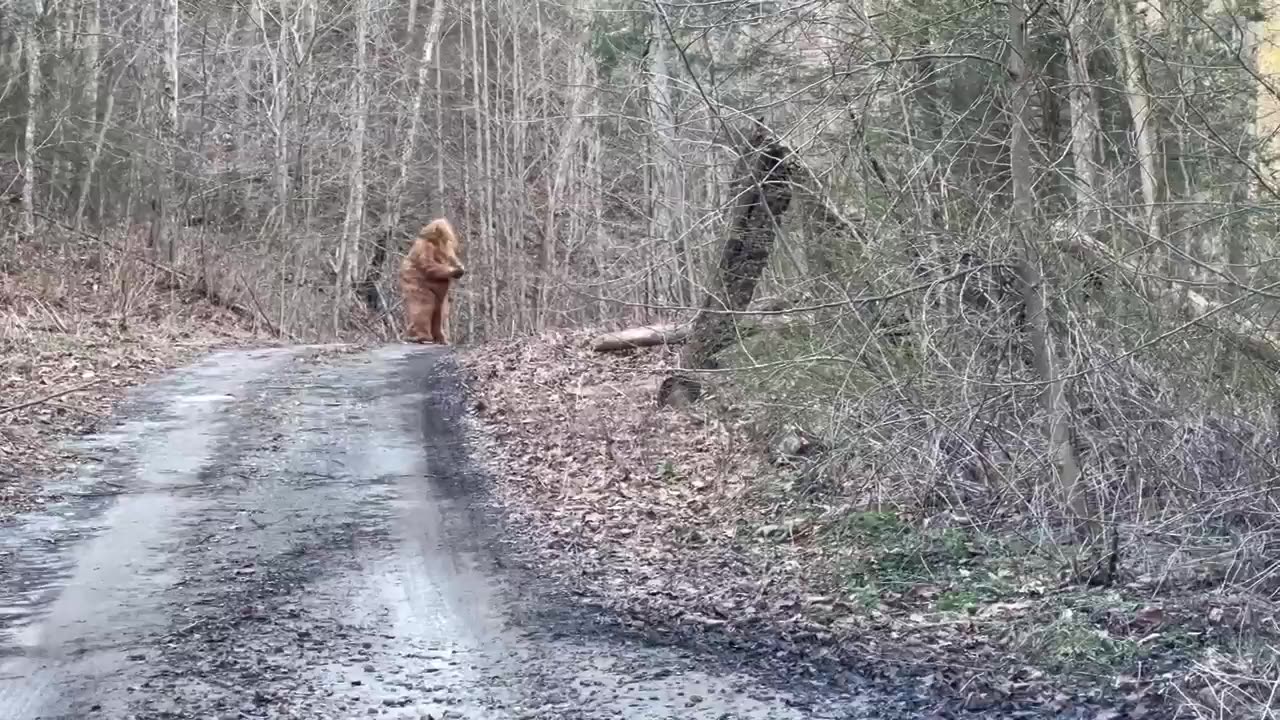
{"x": 352, "y": 223}
{"x": 480, "y": 197}
{"x": 91, "y": 48}
{"x": 1265, "y": 39}
{"x": 98, "y": 142}
{"x": 439, "y": 199}
{"x": 1064, "y": 465}
{"x": 1146, "y": 138}
{"x": 369, "y": 289}
{"x": 1084, "y": 112}
{"x": 460, "y": 306}
{"x": 595, "y": 179}
{"x": 666, "y": 186}
{"x": 168, "y": 201}
{"x": 560, "y": 178}
{"x": 280, "y": 110}
{"x": 244, "y": 90}
{"x": 31, "y": 48}
{"x": 673, "y": 334}
{"x": 762, "y": 194}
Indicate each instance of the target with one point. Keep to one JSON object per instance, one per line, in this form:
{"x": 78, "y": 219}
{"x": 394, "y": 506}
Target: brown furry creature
{"x": 426, "y": 273}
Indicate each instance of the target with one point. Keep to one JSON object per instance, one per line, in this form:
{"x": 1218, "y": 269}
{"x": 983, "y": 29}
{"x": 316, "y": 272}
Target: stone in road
{"x": 272, "y": 534}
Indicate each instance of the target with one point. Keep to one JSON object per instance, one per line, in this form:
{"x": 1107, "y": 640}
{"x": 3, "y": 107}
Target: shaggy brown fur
{"x": 426, "y": 273}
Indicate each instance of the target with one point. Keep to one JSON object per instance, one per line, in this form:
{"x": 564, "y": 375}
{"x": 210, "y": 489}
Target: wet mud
{"x": 267, "y": 534}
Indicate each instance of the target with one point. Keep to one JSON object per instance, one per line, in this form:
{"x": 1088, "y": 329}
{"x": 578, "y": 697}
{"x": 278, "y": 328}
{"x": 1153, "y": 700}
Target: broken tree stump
{"x": 762, "y": 193}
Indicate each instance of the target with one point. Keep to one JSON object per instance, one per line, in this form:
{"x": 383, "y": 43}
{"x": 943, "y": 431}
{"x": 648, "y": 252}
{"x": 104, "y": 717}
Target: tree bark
{"x": 761, "y": 195}
{"x": 667, "y": 185}
{"x": 168, "y": 202}
{"x": 369, "y": 289}
{"x": 91, "y": 46}
{"x": 1084, "y": 112}
{"x": 352, "y": 223}
{"x": 479, "y": 216}
{"x": 31, "y": 51}
{"x": 640, "y": 337}
{"x": 1138, "y": 94}
{"x": 281, "y": 79}
{"x": 99, "y": 141}
{"x": 674, "y": 334}
{"x": 461, "y": 307}
{"x": 560, "y": 178}
{"x": 1064, "y": 464}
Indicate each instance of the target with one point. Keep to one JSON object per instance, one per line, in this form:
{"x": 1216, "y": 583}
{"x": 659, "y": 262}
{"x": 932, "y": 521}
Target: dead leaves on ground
{"x": 652, "y": 512}
{"x": 53, "y": 341}
{"x": 613, "y": 481}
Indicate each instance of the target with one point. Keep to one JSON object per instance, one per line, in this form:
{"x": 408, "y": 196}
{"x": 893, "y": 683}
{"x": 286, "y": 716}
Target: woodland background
{"x": 1026, "y": 278}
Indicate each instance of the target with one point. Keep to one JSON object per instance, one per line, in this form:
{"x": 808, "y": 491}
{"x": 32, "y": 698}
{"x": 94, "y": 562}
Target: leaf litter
{"x": 655, "y": 515}
{"x": 66, "y": 358}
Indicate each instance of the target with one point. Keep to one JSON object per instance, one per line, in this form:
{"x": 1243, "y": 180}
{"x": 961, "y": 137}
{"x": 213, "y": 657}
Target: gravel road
{"x": 291, "y": 533}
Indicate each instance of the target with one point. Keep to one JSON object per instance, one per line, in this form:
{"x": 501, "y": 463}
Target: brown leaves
{"x": 64, "y": 361}
{"x": 660, "y": 515}
{"x": 625, "y": 487}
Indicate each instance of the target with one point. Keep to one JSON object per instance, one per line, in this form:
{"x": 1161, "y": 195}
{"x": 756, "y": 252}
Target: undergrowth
{"x": 926, "y": 500}
{"x": 78, "y": 326}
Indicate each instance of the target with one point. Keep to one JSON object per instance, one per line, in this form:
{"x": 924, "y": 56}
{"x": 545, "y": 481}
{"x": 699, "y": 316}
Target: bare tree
{"x": 31, "y": 54}
{"x": 411, "y": 129}
{"x": 762, "y": 194}
{"x": 1145, "y": 130}
{"x": 1064, "y": 465}
{"x": 353, "y": 220}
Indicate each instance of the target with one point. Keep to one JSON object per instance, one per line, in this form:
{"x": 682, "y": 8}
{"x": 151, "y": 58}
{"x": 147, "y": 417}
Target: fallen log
{"x": 675, "y": 333}
{"x": 640, "y": 337}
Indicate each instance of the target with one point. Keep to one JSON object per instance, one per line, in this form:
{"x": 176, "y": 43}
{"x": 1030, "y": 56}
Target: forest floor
{"x": 68, "y": 353}
{"x": 675, "y": 521}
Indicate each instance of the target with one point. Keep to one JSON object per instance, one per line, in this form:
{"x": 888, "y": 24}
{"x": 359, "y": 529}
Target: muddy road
{"x": 275, "y": 534}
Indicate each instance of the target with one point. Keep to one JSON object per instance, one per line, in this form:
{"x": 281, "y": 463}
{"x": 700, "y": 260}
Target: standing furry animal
{"x": 426, "y": 273}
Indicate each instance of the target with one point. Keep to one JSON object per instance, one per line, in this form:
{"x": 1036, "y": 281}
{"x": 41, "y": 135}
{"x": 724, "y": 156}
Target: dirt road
{"x": 270, "y": 534}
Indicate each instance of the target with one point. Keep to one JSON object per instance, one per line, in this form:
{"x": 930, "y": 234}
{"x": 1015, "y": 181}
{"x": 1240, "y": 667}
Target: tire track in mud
{"x": 300, "y": 538}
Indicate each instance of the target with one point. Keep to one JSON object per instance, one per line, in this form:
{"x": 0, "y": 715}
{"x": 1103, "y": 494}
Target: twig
{"x": 188, "y": 627}
{"x": 52, "y": 315}
{"x": 173, "y": 272}
{"x": 275, "y": 329}
{"x": 123, "y": 251}
{"x": 75, "y": 409}
{"x": 47, "y": 398}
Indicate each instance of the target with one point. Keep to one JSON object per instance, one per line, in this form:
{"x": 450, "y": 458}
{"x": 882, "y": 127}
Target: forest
{"x": 1005, "y": 266}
